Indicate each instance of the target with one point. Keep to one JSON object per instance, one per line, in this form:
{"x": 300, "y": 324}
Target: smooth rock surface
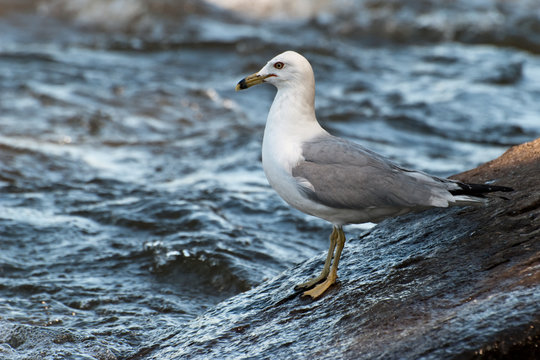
{"x": 441, "y": 284}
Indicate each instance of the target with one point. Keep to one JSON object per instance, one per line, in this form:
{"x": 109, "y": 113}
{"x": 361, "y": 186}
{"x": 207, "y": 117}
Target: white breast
{"x": 284, "y": 134}
{"x": 278, "y": 162}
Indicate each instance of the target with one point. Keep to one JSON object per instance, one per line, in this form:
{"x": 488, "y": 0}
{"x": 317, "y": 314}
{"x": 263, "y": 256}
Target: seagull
{"x": 335, "y": 179}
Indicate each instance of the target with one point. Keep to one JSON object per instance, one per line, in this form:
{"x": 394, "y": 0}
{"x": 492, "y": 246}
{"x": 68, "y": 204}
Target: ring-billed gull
{"x": 333, "y": 178}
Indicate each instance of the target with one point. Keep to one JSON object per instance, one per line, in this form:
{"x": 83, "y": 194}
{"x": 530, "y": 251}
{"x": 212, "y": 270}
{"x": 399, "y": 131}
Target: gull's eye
{"x": 279, "y": 65}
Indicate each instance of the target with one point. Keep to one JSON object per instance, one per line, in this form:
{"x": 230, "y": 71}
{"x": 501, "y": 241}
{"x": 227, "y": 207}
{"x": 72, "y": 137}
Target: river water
{"x": 132, "y": 197}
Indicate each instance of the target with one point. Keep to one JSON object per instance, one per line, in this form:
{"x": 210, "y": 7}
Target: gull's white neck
{"x": 291, "y": 121}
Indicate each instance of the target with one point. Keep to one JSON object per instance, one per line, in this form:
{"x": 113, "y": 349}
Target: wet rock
{"x": 442, "y": 284}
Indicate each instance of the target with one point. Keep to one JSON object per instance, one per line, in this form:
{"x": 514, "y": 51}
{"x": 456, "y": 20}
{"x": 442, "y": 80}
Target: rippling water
{"x": 132, "y": 197}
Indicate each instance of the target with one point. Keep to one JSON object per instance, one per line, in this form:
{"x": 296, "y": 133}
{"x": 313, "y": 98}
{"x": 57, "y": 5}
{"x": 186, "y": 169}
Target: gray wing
{"x": 341, "y": 174}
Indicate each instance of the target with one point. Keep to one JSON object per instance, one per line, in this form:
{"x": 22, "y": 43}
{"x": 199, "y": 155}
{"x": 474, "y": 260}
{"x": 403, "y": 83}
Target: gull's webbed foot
{"x": 322, "y": 287}
{"x": 311, "y": 282}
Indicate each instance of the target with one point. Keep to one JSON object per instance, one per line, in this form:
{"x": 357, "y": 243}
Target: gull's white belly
{"x": 284, "y": 184}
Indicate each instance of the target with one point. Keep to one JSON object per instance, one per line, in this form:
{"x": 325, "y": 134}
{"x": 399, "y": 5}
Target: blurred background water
{"x": 132, "y": 197}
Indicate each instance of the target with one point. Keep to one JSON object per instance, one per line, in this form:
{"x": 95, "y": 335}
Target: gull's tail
{"x": 474, "y": 193}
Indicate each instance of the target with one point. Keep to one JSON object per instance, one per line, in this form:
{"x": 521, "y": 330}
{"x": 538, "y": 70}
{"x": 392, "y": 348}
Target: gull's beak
{"x": 254, "y": 79}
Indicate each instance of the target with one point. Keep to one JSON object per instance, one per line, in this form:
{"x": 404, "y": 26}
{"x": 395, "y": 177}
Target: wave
{"x": 123, "y": 15}
{"x": 496, "y": 22}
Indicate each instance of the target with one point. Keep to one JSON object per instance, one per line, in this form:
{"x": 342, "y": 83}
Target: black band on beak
{"x": 242, "y": 84}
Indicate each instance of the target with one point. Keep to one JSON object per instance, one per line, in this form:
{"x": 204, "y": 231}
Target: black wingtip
{"x": 478, "y": 189}
{"x": 501, "y": 188}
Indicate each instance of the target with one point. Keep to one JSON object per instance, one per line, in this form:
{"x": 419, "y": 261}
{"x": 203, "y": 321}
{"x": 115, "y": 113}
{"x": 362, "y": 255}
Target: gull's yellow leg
{"x": 326, "y": 268}
{"x": 332, "y": 277}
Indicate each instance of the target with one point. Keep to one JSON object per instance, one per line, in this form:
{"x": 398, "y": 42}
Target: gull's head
{"x": 288, "y": 69}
